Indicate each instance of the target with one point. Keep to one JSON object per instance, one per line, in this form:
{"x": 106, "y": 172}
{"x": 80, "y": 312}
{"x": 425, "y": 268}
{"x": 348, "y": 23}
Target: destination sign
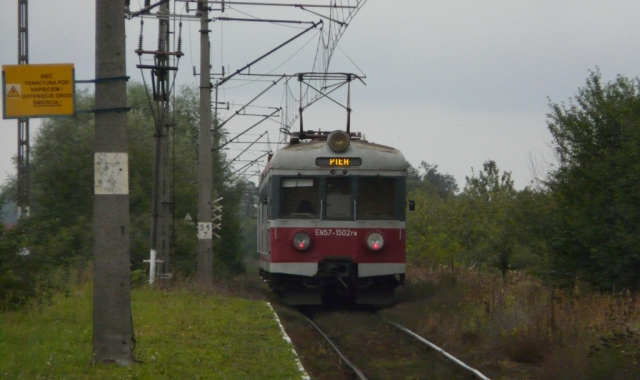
{"x": 338, "y": 161}
{"x": 38, "y": 90}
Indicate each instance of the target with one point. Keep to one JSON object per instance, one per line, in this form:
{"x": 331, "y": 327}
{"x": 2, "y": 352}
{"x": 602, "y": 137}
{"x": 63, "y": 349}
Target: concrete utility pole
{"x": 205, "y": 167}
{"x": 161, "y": 197}
{"x": 112, "y": 327}
{"x": 23, "y": 124}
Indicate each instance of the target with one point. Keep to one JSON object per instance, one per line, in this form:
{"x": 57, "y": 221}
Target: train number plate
{"x": 335, "y": 232}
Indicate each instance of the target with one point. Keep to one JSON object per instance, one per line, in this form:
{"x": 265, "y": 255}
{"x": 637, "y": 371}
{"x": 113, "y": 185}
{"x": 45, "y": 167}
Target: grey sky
{"x": 453, "y": 83}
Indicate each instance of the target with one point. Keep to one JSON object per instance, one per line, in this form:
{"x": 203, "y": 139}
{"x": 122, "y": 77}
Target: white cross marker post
{"x": 216, "y": 215}
{"x": 152, "y": 266}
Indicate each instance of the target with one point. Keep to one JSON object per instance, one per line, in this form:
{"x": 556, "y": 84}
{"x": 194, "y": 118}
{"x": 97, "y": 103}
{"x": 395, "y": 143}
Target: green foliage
{"x": 229, "y": 249}
{"x": 185, "y": 247}
{"x": 530, "y": 218}
{"x": 489, "y": 223}
{"x": 596, "y": 218}
{"x": 61, "y": 167}
{"x": 23, "y": 278}
{"x": 430, "y": 180}
{"x": 584, "y": 224}
{"x": 487, "y": 227}
{"x": 248, "y": 217}
{"x": 474, "y": 227}
{"x": 60, "y": 230}
{"x": 431, "y": 229}
{"x": 249, "y": 238}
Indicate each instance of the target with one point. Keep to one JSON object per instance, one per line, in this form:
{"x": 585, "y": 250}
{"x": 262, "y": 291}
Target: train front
{"x": 332, "y": 220}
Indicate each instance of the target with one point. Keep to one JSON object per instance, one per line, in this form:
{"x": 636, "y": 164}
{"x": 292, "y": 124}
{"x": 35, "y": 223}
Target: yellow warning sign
{"x": 38, "y": 90}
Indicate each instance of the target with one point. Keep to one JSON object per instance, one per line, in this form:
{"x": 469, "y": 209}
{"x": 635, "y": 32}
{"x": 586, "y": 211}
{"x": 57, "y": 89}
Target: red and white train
{"x": 331, "y": 219}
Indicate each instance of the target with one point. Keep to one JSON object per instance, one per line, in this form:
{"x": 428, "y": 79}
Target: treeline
{"x": 581, "y": 222}
{"x": 59, "y": 232}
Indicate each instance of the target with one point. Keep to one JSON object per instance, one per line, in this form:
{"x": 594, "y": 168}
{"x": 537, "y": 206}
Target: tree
{"x": 489, "y": 223}
{"x": 596, "y": 230}
{"x": 431, "y": 228}
{"x": 23, "y": 278}
{"x": 428, "y": 178}
{"x": 487, "y": 229}
{"x": 62, "y": 186}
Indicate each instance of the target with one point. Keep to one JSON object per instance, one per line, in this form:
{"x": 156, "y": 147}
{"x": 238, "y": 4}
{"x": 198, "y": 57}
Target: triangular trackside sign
{"x": 13, "y": 91}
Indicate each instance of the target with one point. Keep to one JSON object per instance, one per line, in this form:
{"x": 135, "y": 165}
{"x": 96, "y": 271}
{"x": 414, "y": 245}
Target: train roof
{"x": 302, "y": 156}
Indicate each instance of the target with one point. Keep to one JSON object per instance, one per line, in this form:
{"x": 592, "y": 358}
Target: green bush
{"x": 23, "y": 277}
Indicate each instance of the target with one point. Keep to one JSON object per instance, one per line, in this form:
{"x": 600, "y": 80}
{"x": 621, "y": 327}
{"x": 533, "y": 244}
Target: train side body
{"x": 333, "y": 223}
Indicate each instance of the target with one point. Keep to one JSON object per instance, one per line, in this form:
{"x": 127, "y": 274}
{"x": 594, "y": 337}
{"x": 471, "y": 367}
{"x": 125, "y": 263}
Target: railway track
{"x": 344, "y": 358}
{"x": 369, "y": 347}
{"x": 474, "y": 372}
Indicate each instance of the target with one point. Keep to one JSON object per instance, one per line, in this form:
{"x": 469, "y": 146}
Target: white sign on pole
{"x": 204, "y": 231}
{"x": 111, "y": 171}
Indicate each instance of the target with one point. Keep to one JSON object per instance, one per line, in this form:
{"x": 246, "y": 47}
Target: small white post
{"x": 152, "y": 266}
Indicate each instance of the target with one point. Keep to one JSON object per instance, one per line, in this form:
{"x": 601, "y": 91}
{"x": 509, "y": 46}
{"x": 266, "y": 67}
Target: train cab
{"x": 331, "y": 220}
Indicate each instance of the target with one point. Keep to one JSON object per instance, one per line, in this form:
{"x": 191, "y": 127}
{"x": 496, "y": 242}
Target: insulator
{"x": 140, "y": 38}
{"x": 180, "y": 37}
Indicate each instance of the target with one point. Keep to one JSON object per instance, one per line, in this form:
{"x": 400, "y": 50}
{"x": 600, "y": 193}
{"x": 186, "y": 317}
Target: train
{"x": 331, "y": 219}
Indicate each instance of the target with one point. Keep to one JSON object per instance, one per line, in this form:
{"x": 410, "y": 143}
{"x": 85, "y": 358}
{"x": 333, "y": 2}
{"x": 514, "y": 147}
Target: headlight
{"x": 301, "y": 241}
{"x": 338, "y": 141}
{"x": 375, "y": 241}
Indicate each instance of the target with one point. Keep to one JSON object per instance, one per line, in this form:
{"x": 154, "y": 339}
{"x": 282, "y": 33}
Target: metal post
{"x": 300, "y": 107}
{"x": 161, "y": 194}
{"x": 112, "y": 327}
{"x": 205, "y": 250}
{"x": 23, "y": 124}
{"x": 348, "y": 104}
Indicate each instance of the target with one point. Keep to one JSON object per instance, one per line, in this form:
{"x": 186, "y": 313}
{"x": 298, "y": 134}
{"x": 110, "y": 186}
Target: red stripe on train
{"x": 340, "y": 242}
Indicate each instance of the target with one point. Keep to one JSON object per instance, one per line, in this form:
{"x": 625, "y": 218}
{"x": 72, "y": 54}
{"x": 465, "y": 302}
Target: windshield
{"x": 376, "y": 198}
{"x": 300, "y": 198}
{"x": 338, "y": 198}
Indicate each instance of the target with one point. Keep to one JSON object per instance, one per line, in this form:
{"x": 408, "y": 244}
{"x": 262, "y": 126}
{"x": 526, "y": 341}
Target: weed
{"x": 518, "y": 327}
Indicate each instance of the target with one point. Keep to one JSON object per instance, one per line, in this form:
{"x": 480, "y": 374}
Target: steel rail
{"x": 440, "y": 350}
{"x": 344, "y": 358}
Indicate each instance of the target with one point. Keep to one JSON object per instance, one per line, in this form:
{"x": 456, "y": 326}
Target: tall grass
{"x": 517, "y": 328}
